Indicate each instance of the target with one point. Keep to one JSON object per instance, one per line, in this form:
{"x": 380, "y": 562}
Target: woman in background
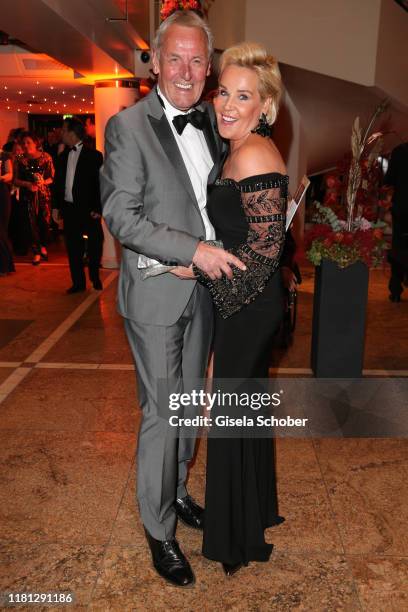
{"x": 34, "y": 175}
{"x": 6, "y": 176}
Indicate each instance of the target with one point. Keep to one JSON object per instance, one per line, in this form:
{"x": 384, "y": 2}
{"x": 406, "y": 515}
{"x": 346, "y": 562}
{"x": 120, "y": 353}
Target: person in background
{"x": 90, "y": 138}
{"x": 6, "y": 176}
{"x": 77, "y": 196}
{"x": 34, "y": 176}
{"x": 397, "y": 177}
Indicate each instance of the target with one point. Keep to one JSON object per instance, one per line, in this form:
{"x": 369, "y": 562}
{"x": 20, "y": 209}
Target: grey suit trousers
{"x": 178, "y": 354}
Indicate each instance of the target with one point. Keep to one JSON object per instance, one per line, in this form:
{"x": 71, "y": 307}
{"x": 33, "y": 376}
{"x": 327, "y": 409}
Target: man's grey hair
{"x": 188, "y": 19}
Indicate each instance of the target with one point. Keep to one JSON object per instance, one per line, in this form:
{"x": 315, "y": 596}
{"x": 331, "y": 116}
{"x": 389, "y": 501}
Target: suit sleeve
{"x": 391, "y": 174}
{"x": 97, "y": 161}
{"x": 123, "y": 180}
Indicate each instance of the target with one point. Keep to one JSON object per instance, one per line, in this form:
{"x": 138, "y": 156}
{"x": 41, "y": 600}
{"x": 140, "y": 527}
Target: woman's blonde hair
{"x": 255, "y": 57}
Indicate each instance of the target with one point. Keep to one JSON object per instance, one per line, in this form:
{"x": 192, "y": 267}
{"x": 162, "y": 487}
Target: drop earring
{"x": 263, "y": 128}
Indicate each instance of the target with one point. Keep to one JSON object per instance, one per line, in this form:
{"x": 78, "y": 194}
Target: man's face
{"x": 68, "y": 138}
{"x": 183, "y": 65}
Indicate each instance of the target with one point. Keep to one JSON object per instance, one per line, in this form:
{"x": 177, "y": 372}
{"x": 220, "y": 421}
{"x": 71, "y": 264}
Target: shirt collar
{"x": 169, "y": 109}
{"x": 78, "y": 144}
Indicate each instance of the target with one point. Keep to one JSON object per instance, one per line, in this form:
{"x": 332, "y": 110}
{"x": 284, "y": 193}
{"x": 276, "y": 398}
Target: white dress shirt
{"x": 71, "y": 167}
{"x": 197, "y": 159}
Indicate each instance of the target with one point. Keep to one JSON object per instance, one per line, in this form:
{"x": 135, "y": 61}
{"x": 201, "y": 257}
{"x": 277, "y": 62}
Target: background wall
{"x": 10, "y": 120}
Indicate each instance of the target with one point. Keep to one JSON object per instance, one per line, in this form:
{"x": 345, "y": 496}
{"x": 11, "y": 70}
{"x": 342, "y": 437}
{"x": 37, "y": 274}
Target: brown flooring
{"x": 68, "y": 519}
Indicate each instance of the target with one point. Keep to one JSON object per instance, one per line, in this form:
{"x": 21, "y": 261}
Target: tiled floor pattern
{"x": 68, "y": 432}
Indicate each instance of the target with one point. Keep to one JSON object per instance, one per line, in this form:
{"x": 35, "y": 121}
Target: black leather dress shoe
{"x": 394, "y": 297}
{"x": 74, "y": 289}
{"x": 97, "y": 285}
{"x": 169, "y": 562}
{"x": 189, "y": 512}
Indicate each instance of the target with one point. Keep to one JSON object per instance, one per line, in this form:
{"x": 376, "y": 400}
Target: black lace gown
{"x": 241, "y": 498}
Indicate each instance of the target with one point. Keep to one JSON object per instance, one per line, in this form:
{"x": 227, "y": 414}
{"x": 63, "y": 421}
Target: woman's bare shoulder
{"x": 258, "y": 157}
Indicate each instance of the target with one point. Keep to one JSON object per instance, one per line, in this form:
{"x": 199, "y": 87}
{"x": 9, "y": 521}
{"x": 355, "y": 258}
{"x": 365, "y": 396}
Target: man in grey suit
{"x": 160, "y": 154}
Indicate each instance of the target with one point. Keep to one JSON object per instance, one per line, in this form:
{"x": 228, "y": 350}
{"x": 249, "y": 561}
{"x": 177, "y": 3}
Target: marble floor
{"x": 68, "y": 434}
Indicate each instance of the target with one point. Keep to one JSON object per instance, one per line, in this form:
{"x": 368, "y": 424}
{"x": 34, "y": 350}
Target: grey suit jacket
{"x": 149, "y": 205}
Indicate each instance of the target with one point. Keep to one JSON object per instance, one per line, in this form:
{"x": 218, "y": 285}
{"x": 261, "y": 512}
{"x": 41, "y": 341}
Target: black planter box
{"x": 339, "y": 316}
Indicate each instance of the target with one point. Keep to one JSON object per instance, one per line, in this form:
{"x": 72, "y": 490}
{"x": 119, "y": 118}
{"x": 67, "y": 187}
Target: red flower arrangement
{"x": 348, "y": 223}
{"x": 170, "y": 6}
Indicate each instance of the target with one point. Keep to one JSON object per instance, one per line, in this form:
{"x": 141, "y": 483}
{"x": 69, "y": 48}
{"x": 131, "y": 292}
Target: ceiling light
{"x": 52, "y": 87}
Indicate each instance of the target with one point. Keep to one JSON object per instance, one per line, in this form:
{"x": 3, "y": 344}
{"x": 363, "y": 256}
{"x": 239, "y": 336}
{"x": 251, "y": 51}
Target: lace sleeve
{"x": 264, "y": 204}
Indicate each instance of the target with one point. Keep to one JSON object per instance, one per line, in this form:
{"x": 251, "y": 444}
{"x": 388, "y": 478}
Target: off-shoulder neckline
{"x": 254, "y": 176}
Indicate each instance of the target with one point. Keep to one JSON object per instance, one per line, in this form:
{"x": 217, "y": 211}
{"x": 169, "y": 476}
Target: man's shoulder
{"x": 133, "y": 114}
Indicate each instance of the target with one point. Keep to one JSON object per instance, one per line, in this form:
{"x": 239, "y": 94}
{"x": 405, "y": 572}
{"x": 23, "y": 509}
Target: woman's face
{"x": 17, "y": 149}
{"x": 29, "y": 146}
{"x": 238, "y": 104}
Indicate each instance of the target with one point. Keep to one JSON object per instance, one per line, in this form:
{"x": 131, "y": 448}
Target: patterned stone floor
{"x": 68, "y": 434}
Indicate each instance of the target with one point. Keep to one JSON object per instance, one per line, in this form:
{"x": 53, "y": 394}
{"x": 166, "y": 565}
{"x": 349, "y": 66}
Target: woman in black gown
{"x": 247, "y": 207}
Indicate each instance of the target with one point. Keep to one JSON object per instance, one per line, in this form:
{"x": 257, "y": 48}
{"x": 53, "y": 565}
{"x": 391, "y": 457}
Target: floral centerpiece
{"x": 169, "y": 6}
{"x": 347, "y": 226}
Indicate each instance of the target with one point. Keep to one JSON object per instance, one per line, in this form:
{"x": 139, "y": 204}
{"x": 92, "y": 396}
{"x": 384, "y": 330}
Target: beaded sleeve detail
{"x": 263, "y": 199}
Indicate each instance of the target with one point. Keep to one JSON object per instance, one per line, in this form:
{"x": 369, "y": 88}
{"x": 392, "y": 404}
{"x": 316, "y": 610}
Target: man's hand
{"x": 288, "y": 279}
{"x": 215, "y": 261}
{"x": 183, "y": 272}
{"x": 56, "y": 215}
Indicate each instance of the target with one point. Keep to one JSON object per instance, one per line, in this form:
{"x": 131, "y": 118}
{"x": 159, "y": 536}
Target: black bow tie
{"x": 75, "y": 147}
{"x": 196, "y": 118}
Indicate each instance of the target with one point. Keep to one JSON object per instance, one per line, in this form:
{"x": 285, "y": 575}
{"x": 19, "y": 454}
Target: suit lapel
{"x": 77, "y": 174}
{"x": 163, "y": 131}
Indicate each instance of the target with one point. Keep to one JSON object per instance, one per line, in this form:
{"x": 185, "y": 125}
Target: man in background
{"x": 397, "y": 177}
{"x": 77, "y": 196}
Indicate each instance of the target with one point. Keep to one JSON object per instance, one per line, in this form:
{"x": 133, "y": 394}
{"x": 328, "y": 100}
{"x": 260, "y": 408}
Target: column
{"x": 110, "y": 98}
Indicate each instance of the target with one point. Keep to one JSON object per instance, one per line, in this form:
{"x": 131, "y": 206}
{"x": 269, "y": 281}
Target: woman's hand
{"x": 183, "y": 272}
{"x": 32, "y": 186}
{"x": 288, "y": 279}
